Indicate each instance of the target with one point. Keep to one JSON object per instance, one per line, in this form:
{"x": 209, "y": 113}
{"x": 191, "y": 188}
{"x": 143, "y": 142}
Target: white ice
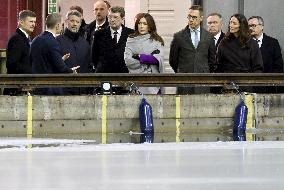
{"x": 188, "y": 166}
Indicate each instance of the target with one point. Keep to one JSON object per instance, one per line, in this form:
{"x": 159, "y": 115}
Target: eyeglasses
{"x": 254, "y": 25}
{"x": 193, "y": 17}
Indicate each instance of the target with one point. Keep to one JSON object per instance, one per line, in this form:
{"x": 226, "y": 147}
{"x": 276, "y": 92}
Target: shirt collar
{"x": 192, "y": 30}
{"x": 260, "y": 38}
{"x": 118, "y": 31}
{"x": 51, "y": 33}
{"x": 217, "y": 36}
{"x": 26, "y": 34}
{"x": 99, "y": 25}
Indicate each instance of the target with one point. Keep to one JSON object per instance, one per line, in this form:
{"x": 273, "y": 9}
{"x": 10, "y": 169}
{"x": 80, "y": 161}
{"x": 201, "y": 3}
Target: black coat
{"x": 18, "y": 61}
{"x": 232, "y": 58}
{"x": 271, "y": 55}
{"x": 272, "y": 61}
{"x": 90, "y": 30}
{"x": 108, "y": 56}
{"x": 79, "y": 50}
{"x": 18, "y": 50}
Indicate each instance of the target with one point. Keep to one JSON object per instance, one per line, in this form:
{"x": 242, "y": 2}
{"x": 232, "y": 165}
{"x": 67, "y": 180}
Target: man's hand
{"x": 74, "y": 69}
{"x": 66, "y": 56}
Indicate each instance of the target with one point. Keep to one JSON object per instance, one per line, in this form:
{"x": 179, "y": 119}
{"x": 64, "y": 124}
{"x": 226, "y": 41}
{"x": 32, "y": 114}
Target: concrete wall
{"x": 83, "y": 114}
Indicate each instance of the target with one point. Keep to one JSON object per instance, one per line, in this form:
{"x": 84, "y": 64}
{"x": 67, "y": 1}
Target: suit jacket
{"x": 18, "y": 61}
{"x": 108, "y": 56}
{"x": 220, "y": 39}
{"x": 184, "y": 58}
{"x": 46, "y": 55}
{"x": 271, "y": 55}
{"x": 90, "y": 30}
{"x": 46, "y": 58}
{"x": 18, "y": 50}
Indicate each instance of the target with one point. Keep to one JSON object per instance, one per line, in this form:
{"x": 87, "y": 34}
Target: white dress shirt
{"x": 118, "y": 33}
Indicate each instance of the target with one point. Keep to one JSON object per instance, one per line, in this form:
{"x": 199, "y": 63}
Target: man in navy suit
{"x": 46, "y": 53}
{"x": 18, "y": 48}
{"x": 109, "y": 44}
{"x": 270, "y": 49}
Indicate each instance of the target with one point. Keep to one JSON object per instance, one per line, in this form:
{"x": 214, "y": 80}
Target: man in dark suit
{"x": 109, "y": 44}
{"x": 46, "y": 54}
{"x": 269, "y": 47}
{"x": 100, "y": 22}
{"x": 18, "y": 48}
{"x": 214, "y": 27}
{"x": 192, "y": 49}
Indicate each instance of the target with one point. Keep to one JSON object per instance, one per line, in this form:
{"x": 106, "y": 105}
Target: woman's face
{"x": 234, "y": 25}
{"x": 143, "y": 26}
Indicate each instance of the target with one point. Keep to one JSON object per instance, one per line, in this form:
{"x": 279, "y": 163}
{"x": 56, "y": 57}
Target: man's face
{"x": 101, "y": 11}
{"x": 73, "y": 23}
{"x": 255, "y": 27}
{"x": 194, "y": 18}
{"x": 28, "y": 24}
{"x": 115, "y": 20}
{"x": 214, "y": 24}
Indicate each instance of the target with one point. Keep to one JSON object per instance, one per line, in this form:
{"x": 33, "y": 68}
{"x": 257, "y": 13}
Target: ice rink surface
{"x": 84, "y": 165}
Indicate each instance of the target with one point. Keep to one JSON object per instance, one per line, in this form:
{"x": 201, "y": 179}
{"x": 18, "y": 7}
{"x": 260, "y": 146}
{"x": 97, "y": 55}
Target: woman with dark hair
{"x": 238, "y": 52}
{"x": 144, "y": 50}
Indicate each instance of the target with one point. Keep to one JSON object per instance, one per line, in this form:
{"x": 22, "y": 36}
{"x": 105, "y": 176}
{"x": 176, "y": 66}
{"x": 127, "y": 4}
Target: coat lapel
{"x": 187, "y": 37}
{"x": 264, "y": 42}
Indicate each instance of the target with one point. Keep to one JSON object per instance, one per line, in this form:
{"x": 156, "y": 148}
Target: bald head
{"x": 100, "y": 11}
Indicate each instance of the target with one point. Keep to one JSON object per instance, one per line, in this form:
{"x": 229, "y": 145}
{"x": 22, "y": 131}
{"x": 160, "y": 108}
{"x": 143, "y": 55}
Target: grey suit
{"x": 184, "y": 58}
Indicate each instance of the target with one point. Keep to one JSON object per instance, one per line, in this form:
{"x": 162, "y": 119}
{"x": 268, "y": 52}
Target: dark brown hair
{"x": 244, "y": 34}
{"x": 151, "y": 26}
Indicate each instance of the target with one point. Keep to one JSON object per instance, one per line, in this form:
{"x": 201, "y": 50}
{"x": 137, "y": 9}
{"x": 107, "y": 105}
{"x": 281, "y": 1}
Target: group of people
{"x": 244, "y": 48}
{"x": 107, "y": 46}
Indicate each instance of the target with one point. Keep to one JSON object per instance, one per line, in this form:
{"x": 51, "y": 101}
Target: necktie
{"x": 115, "y": 36}
{"x": 98, "y": 28}
{"x": 258, "y": 42}
{"x": 215, "y": 40}
{"x": 30, "y": 41}
{"x": 196, "y": 38}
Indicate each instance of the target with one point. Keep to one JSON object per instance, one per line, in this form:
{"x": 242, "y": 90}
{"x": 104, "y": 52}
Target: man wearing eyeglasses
{"x": 270, "y": 48}
{"x": 192, "y": 49}
{"x": 109, "y": 44}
